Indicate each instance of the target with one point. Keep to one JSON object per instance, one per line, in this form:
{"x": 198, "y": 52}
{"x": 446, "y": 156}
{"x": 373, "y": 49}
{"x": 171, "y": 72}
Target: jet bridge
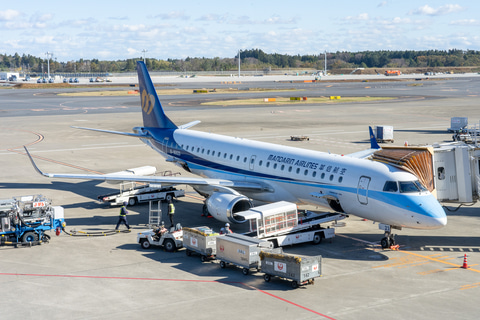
{"x": 451, "y": 171}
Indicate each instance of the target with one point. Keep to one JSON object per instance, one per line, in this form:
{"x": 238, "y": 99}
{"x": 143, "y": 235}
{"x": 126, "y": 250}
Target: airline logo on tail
{"x": 148, "y": 101}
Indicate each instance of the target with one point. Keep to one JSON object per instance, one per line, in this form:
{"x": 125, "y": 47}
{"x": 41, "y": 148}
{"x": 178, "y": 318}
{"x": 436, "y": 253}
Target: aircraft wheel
{"x": 145, "y": 244}
{"x": 169, "y": 245}
{"x": 385, "y": 243}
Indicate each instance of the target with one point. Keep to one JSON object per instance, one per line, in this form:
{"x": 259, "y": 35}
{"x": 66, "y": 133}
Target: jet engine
{"x": 223, "y": 206}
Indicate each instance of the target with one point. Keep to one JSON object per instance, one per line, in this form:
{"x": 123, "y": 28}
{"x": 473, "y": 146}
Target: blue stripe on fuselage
{"x": 173, "y": 149}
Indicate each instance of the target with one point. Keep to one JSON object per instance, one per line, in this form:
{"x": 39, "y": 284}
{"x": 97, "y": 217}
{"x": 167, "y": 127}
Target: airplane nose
{"x": 441, "y": 221}
{"x": 435, "y": 213}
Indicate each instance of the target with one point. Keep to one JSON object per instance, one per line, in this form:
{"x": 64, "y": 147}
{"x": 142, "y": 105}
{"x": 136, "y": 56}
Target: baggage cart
{"x": 302, "y": 270}
{"x": 240, "y": 250}
{"x": 202, "y": 240}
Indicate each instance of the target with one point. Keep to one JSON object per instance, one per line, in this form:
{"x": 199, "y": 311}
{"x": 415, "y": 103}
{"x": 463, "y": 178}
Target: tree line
{"x": 254, "y": 59}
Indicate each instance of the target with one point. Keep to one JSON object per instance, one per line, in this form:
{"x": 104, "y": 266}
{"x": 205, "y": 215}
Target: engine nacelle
{"x": 223, "y": 206}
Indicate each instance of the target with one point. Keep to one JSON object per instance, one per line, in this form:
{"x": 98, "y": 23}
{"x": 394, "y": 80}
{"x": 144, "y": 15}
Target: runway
{"x": 112, "y": 277}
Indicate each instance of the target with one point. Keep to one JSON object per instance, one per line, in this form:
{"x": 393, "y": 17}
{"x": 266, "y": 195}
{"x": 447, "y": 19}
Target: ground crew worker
{"x": 171, "y": 212}
{"x": 227, "y": 228}
{"x": 122, "y": 218}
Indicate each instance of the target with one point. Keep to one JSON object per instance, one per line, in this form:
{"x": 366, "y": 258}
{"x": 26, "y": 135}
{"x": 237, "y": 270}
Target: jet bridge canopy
{"x": 416, "y": 160}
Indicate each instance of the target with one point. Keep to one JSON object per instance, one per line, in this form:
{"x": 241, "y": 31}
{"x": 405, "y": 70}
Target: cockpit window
{"x": 390, "y": 186}
{"x": 420, "y": 186}
{"x": 411, "y": 186}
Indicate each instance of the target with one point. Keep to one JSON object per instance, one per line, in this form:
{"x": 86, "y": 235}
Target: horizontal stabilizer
{"x": 130, "y": 134}
{"x": 189, "y": 125}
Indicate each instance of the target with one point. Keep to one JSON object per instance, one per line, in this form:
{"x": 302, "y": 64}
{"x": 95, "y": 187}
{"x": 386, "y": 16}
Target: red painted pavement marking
{"x": 158, "y": 279}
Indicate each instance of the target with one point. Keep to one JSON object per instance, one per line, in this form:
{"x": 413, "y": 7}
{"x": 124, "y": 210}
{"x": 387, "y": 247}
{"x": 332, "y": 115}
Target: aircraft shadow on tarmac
{"x": 89, "y": 189}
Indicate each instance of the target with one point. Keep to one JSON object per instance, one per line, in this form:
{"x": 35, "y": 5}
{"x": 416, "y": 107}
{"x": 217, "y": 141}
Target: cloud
{"x": 359, "y": 17}
{"x": 9, "y": 15}
{"x": 173, "y": 15}
{"x": 465, "y": 22}
{"x": 213, "y": 17}
{"x": 129, "y": 28}
{"x": 429, "y": 11}
{"x": 382, "y": 4}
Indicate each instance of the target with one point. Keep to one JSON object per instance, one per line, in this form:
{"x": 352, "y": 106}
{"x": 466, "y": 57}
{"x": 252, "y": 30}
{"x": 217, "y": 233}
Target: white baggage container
{"x": 240, "y": 250}
{"x": 201, "y": 240}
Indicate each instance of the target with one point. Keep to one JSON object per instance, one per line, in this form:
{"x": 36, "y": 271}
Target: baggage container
{"x": 240, "y": 250}
{"x": 302, "y": 270}
{"x": 202, "y": 240}
{"x": 384, "y": 133}
{"x": 458, "y": 124}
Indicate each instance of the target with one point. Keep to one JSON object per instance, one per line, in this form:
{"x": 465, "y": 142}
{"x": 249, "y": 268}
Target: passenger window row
{"x": 275, "y": 165}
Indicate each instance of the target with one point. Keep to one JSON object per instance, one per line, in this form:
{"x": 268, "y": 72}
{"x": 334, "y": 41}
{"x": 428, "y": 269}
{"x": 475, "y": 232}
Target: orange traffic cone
{"x": 465, "y": 265}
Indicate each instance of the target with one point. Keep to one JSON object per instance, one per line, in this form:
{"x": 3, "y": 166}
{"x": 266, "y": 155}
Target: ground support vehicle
{"x": 299, "y": 138}
{"x": 133, "y": 193}
{"x": 302, "y": 270}
{"x": 201, "y": 240}
{"x": 281, "y": 224}
{"x": 25, "y": 220}
{"x": 171, "y": 239}
{"x": 240, "y": 250}
{"x": 384, "y": 134}
{"x": 457, "y": 124}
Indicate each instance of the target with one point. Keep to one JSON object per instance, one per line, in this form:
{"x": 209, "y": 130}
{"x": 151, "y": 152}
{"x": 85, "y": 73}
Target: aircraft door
{"x": 252, "y": 162}
{"x": 362, "y": 189}
{"x": 165, "y": 145}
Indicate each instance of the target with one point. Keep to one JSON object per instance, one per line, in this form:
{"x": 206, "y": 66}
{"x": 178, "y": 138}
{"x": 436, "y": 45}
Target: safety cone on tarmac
{"x": 465, "y": 265}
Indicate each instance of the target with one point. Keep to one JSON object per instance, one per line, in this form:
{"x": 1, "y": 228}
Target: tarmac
{"x": 112, "y": 277}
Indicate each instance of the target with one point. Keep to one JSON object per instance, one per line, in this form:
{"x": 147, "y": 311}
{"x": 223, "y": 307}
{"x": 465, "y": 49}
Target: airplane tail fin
{"x": 152, "y": 111}
{"x": 373, "y": 140}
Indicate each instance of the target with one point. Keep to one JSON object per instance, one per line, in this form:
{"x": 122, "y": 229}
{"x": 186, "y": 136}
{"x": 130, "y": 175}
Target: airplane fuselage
{"x": 351, "y": 185}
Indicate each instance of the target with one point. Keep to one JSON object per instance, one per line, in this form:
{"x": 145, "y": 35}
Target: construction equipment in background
{"x": 392, "y": 72}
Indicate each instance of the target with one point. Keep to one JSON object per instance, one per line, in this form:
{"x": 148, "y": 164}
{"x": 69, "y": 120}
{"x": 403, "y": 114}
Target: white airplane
{"x": 234, "y": 170}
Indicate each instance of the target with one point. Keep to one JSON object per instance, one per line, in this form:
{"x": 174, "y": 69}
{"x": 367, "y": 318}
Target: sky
{"x": 119, "y": 30}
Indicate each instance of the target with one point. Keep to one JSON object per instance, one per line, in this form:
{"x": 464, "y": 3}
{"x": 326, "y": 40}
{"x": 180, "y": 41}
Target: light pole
{"x": 49, "y": 55}
{"x": 144, "y": 50}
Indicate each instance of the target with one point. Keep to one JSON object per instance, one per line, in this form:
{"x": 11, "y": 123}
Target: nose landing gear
{"x": 389, "y": 239}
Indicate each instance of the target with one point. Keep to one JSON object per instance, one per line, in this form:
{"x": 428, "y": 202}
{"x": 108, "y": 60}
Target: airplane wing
{"x": 162, "y": 180}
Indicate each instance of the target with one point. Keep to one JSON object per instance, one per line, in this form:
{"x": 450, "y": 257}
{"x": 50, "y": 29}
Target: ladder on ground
{"x": 154, "y": 213}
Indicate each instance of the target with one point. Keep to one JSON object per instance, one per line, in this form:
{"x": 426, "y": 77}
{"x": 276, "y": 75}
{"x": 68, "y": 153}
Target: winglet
{"x": 33, "y": 163}
{"x": 373, "y": 140}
